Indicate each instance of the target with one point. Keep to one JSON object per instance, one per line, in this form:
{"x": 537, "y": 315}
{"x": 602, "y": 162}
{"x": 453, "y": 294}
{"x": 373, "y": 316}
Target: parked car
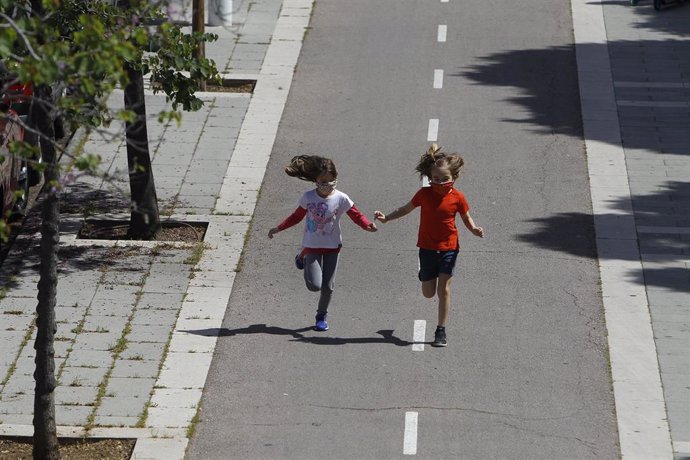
{"x": 19, "y": 97}
{"x": 14, "y": 171}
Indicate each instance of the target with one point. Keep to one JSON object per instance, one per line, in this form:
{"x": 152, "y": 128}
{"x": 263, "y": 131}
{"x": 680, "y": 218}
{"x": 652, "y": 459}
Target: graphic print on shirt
{"x": 319, "y": 219}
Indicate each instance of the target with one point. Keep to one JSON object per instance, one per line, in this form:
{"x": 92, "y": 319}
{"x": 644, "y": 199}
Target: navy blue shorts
{"x": 432, "y": 262}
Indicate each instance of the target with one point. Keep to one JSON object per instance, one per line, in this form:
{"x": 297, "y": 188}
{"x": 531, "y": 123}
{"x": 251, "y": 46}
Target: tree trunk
{"x": 144, "y": 216}
{"x": 199, "y": 26}
{"x": 45, "y": 445}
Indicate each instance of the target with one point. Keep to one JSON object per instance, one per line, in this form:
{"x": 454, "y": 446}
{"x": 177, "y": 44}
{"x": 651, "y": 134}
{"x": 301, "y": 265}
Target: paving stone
{"x": 21, "y": 404}
{"x": 129, "y": 278}
{"x": 71, "y": 298}
{"x": 119, "y": 293}
{"x": 69, "y": 313}
{"x": 160, "y": 301}
{"x": 128, "y": 387}
{"x": 12, "y": 336}
{"x": 121, "y": 406}
{"x": 16, "y": 322}
{"x": 147, "y": 351}
{"x": 102, "y": 324}
{"x": 189, "y": 211}
{"x": 168, "y": 256}
{"x": 72, "y": 415}
{"x": 24, "y": 304}
{"x": 196, "y": 189}
{"x": 109, "y": 421}
{"x": 73, "y": 376}
{"x": 17, "y": 419}
{"x": 155, "y": 318}
{"x": 176, "y": 397}
{"x": 72, "y": 395}
{"x": 168, "y": 278}
{"x": 90, "y": 348}
{"x": 165, "y": 417}
{"x": 148, "y": 334}
{"x": 112, "y": 307}
{"x": 18, "y": 385}
{"x": 135, "y": 369}
{"x": 196, "y": 201}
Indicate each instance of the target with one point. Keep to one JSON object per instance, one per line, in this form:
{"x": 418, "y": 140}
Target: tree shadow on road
{"x": 386, "y": 336}
{"x": 542, "y": 82}
{"x": 667, "y": 210}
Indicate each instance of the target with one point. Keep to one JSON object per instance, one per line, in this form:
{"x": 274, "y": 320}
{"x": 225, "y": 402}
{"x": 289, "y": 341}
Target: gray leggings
{"x": 319, "y": 275}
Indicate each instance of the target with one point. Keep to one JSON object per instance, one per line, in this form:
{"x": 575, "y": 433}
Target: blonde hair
{"x": 309, "y": 167}
{"x": 434, "y": 157}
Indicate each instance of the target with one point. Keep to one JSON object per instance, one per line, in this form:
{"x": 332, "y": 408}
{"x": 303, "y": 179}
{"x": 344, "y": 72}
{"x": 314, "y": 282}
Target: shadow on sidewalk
{"x": 387, "y": 336}
{"x": 671, "y": 19}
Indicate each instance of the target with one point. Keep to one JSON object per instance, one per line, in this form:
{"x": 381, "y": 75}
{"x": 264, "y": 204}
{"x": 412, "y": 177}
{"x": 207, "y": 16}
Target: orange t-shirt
{"x": 437, "y": 222}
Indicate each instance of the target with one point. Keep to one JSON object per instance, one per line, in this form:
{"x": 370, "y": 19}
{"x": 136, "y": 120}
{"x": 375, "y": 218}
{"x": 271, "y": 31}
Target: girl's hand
{"x": 378, "y": 215}
{"x": 478, "y": 231}
{"x": 272, "y": 232}
{"x": 371, "y": 227}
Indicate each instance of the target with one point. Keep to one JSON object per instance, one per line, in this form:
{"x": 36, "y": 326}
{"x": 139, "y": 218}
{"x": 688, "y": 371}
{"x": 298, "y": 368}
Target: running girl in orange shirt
{"x": 438, "y": 235}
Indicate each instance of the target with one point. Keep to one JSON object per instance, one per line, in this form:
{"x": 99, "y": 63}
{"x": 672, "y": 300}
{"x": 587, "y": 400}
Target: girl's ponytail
{"x": 309, "y": 167}
{"x": 435, "y": 157}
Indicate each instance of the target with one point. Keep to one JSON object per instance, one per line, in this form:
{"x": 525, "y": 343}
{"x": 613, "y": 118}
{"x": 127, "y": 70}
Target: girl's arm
{"x": 400, "y": 212}
{"x": 360, "y": 219}
{"x": 469, "y": 223}
{"x": 293, "y": 219}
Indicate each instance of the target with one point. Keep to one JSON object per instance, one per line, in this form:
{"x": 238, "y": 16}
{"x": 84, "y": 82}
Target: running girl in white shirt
{"x": 322, "y": 240}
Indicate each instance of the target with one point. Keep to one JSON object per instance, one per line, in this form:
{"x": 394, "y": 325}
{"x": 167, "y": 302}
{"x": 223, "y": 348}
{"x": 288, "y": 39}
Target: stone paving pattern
{"x": 118, "y": 306}
{"x": 649, "y": 53}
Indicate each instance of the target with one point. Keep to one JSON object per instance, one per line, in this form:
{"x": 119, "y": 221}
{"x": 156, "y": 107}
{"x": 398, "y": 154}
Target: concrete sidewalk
{"x": 649, "y": 53}
{"x": 132, "y": 346}
{"x": 634, "y": 72}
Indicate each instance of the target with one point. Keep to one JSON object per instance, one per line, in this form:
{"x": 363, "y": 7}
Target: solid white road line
{"x": 444, "y": 1}
{"x": 419, "y": 335}
{"x": 432, "y": 134}
{"x": 438, "y": 78}
{"x": 410, "y": 437}
{"x": 442, "y": 32}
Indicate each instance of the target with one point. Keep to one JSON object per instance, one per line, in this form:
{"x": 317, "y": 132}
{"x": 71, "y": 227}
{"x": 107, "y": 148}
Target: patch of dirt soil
{"x": 243, "y": 88}
{"x": 117, "y": 230}
{"x": 72, "y": 449}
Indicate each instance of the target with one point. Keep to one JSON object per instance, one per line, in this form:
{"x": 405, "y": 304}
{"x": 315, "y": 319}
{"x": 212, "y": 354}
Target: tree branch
{"x": 21, "y": 34}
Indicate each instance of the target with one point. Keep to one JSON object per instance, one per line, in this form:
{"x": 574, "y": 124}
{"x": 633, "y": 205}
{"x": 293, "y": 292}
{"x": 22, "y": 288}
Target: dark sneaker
{"x": 440, "y": 338}
{"x": 299, "y": 261}
{"x": 321, "y": 324}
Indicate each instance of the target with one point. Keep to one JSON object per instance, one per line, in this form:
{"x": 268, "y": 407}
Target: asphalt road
{"x": 526, "y": 372}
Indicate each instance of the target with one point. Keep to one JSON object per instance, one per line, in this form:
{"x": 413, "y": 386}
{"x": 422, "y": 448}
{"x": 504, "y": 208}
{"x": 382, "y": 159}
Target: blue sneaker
{"x": 299, "y": 261}
{"x": 321, "y": 324}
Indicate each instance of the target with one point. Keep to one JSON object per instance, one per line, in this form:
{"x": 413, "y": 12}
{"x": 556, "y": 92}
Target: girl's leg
{"x": 312, "y": 271}
{"x": 330, "y": 266}
{"x": 429, "y": 288}
{"x": 443, "y": 298}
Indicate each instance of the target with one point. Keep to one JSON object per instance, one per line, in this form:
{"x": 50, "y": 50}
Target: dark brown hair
{"x": 309, "y": 167}
{"x": 434, "y": 157}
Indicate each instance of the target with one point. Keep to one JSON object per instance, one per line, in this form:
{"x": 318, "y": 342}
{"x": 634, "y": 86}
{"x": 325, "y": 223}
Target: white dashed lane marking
{"x": 410, "y": 438}
{"x": 438, "y": 78}
{"x": 432, "y": 134}
{"x": 442, "y": 32}
{"x": 419, "y": 335}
